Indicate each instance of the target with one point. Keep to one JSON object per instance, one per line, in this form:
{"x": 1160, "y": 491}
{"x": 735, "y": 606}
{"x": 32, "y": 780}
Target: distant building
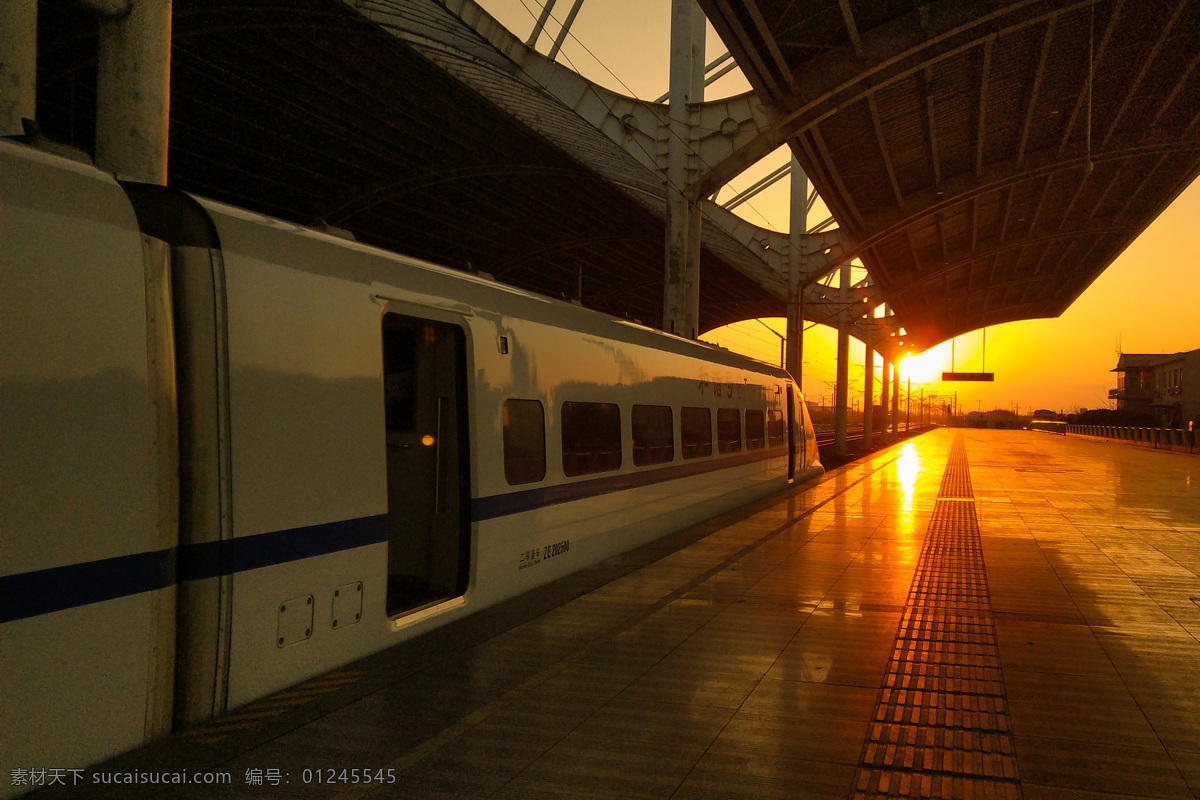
{"x": 997, "y": 418}
{"x": 1135, "y": 383}
{"x": 1164, "y": 386}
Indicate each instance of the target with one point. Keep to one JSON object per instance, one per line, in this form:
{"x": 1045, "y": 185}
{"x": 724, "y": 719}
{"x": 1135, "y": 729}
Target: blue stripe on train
{"x": 208, "y": 560}
{"x": 30, "y": 594}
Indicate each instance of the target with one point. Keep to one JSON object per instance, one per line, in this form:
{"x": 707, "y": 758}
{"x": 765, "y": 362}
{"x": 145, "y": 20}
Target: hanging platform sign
{"x": 968, "y": 376}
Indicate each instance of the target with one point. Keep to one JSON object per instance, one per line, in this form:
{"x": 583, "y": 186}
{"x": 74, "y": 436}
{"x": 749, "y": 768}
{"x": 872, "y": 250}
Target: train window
{"x": 729, "y": 430}
{"x": 591, "y": 438}
{"x": 775, "y": 429}
{"x": 695, "y": 429}
{"x": 399, "y": 377}
{"x": 755, "y": 429}
{"x": 653, "y": 435}
{"x": 524, "y": 441}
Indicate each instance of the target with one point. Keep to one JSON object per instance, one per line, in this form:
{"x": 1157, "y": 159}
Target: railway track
{"x": 854, "y": 437}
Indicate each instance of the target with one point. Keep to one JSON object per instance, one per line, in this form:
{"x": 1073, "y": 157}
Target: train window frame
{"x": 756, "y": 429}
{"x": 652, "y": 433}
{"x": 695, "y": 436}
{"x": 776, "y": 429}
{"x": 524, "y": 441}
{"x": 428, "y": 465}
{"x": 729, "y": 430}
{"x": 590, "y": 437}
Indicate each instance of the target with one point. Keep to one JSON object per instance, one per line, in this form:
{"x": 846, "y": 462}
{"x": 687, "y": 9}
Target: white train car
{"x": 236, "y": 453}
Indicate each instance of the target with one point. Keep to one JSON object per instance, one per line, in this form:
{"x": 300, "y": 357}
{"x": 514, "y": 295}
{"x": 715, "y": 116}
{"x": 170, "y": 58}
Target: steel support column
{"x": 797, "y": 271}
{"x": 133, "y": 92}
{"x": 843, "y": 366}
{"x": 681, "y": 287}
{"x": 566, "y": 29}
{"x": 18, "y": 64}
{"x": 868, "y": 386}
{"x": 896, "y": 400}
{"x": 885, "y": 384}
{"x": 540, "y": 25}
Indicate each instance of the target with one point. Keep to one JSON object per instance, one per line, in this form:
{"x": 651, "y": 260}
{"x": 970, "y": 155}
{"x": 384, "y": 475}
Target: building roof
{"x": 1130, "y": 361}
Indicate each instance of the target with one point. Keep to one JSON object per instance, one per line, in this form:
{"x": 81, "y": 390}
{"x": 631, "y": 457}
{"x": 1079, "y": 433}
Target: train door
{"x": 425, "y": 403}
{"x": 791, "y": 431}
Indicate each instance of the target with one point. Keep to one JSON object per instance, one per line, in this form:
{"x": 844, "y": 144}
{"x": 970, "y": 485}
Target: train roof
{"x": 474, "y": 290}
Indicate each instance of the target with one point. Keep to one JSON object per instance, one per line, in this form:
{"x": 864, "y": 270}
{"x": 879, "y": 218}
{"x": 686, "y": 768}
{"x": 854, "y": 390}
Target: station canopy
{"x": 985, "y": 160}
{"x": 989, "y": 159}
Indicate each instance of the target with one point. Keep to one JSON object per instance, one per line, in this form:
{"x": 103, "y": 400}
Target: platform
{"x": 971, "y": 614}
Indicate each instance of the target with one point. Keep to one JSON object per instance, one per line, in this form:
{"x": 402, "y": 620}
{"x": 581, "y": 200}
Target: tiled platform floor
{"x": 749, "y": 658}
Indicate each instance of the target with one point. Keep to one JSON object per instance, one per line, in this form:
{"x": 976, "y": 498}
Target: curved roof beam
{"x": 904, "y": 46}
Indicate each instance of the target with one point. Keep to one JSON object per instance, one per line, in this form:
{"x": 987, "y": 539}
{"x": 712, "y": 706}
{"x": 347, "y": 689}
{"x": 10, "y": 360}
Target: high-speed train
{"x": 236, "y": 453}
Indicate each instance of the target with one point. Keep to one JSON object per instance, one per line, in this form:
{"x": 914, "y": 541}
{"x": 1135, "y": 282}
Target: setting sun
{"x": 924, "y": 368}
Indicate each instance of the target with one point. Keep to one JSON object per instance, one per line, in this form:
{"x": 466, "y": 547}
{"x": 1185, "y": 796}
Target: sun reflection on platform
{"x": 908, "y": 467}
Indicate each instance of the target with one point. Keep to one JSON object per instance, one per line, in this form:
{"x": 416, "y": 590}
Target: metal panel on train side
{"x": 85, "y": 551}
{"x": 307, "y": 453}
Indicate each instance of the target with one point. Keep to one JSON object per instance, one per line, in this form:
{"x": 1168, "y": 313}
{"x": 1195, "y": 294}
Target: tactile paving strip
{"x": 940, "y": 727}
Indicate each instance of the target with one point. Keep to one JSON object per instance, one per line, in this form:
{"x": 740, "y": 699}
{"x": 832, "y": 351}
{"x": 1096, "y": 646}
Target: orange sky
{"x": 1148, "y": 301}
